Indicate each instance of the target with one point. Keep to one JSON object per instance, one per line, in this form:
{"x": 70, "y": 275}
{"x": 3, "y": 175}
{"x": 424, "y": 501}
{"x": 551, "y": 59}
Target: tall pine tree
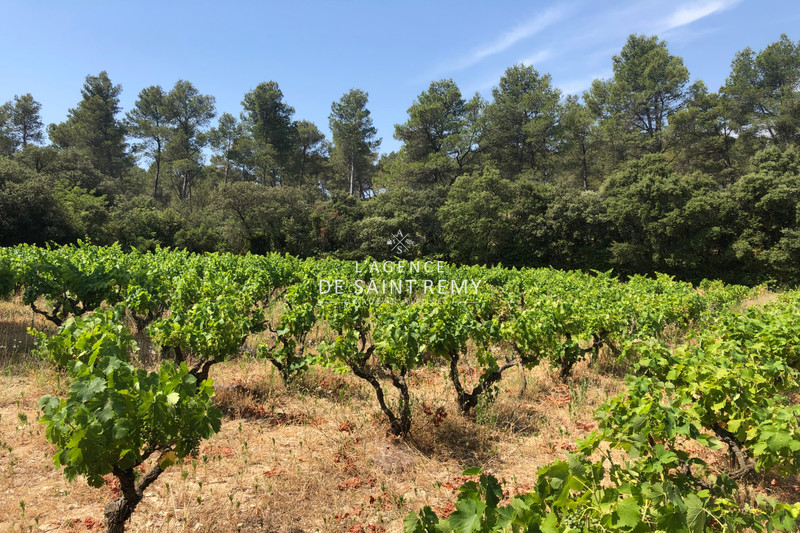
{"x": 354, "y": 142}
{"x": 93, "y": 126}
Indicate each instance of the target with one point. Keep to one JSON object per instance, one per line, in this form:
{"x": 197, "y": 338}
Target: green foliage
{"x": 31, "y": 213}
{"x": 269, "y": 120}
{"x": 648, "y": 87}
{"x": 296, "y": 322}
{"x": 439, "y": 138}
{"x": 728, "y": 387}
{"x": 7, "y": 277}
{"x": 521, "y": 122}
{"x": 85, "y": 213}
{"x": 93, "y": 126}
{"x": 415, "y": 212}
{"x": 770, "y": 239}
{"x": 667, "y": 221}
{"x": 355, "y": 143}
{"x": 650, "y": 174}
{"x": 212, "y": 312}
{"x": 189, "y": 113}
{"x": 705, "y": 141}
{"x": 311, "y": 149}
{"x": 114, "y": 416}
{"x": 8, "y": 143}
{"x": 227, "y": 141}
{"x": 149, "y": 122}
{"x": 488, "y": 219}
{"x": 72, "y": 279}
{"x": 761, "y": 92}
{"x": 264, "y": 220}
{"x": 569, "y": 498}
{"x": 138, "y": 223}
{"x": 20, "y": 124}
{"x": 475, "y": 222}
{"x": 645, "y": 173}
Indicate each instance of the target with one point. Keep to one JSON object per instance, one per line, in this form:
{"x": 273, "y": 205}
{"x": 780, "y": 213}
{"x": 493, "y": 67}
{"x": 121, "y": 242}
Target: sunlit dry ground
{"x": 314, "y": 456}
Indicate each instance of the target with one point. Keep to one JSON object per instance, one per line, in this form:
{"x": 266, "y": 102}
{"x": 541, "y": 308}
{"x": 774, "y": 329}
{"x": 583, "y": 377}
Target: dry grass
{"x": 313, "y": 455}
{"x": 758, "y": 299}
{"x": 15, "y": 343}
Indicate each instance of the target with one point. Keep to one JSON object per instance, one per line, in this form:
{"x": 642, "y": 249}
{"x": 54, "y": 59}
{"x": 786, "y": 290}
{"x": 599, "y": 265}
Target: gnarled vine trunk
{"x": 468, "y": 400}
{"x": 119, "y": 510}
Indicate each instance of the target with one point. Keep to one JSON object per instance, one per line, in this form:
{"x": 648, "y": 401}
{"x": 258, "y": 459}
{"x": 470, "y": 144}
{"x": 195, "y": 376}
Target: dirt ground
{"x": 311, "y": 456}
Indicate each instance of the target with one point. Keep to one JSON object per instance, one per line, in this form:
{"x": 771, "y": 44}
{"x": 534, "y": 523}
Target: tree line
{"x": 643, "y": 172}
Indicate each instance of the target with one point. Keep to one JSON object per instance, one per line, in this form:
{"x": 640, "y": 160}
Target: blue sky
{"x": 317, "y": 51}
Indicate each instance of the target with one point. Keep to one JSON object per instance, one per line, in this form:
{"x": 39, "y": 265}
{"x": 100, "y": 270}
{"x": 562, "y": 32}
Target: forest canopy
{"x": 645, "y": 171}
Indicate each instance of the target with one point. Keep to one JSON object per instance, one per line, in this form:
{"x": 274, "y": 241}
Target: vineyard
{"x": 393, "y": 397}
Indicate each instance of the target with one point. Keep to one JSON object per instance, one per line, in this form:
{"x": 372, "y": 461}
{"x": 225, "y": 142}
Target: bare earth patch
{"x": 313, "y": 455}
{"x": 302, "y": 457}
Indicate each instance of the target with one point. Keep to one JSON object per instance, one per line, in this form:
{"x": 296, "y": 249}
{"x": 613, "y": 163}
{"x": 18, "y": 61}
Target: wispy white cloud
{"x": 695, "y": 11}
{"x": 539, "y": 57}
{"x": 577, "y": 86}
{"x": 589, "y": 39}
{"x": 685, "y": 36}
{"x": 484, "y": 83}
{"x": 512, "y": 37}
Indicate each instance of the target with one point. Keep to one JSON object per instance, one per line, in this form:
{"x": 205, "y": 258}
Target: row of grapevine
{"x": 730, "y": 387}
{"x": 200, "y": 309}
